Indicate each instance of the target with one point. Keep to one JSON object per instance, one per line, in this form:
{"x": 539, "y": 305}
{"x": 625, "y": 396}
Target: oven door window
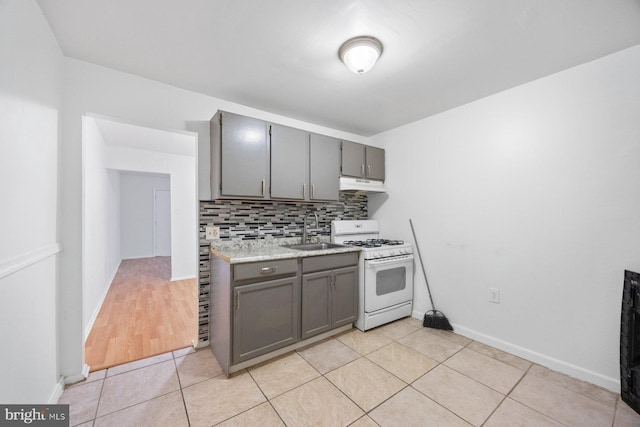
{"x": 387, "y": 284}
{"x": 391, "y": 280}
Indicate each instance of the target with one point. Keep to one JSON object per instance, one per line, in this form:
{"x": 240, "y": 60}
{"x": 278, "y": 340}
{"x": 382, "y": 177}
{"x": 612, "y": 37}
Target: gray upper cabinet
{"x": 289, "y": 163}
{"x": 240, "y": 156}
{"x": 303, "y": 166}
{"x": 362, "y": 161}
{"x": 353, "y": 159}
{"x": 375, "y": 163}
{"x": 324, "y": 167}
{"x": 253, "y": 159}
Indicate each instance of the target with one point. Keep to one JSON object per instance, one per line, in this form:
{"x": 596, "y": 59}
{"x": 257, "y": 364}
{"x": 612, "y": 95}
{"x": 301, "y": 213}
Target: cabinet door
{"x": 244, "y": 156}
{"x": 265, "y": 317}
{"x": 324, "y": 167}
{"x": 375, "y": 163}
{"x": 289, "y": 163}
{"x": 353, "y": 159}
{"x": 344, "y": 296}
{"x": 316, "y": 307}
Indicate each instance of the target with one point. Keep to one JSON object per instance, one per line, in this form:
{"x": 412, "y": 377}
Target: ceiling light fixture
{"x": 360, "y": 53}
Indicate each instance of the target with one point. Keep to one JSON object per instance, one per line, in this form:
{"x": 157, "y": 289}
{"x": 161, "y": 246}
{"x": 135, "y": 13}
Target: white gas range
{"x": 385, "y": 273}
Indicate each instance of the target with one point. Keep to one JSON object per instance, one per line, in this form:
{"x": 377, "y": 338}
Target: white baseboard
{"x": 564, "y": 367}
{"x": 72, "y": 379}
{"x": 94, "y": 315}
{"x": 57, "y": 392}
{"x": 200, "y": 344}
{"x": 174, "y": 279}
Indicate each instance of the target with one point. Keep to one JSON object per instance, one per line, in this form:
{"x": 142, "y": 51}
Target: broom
{"x": 433, "y": 318}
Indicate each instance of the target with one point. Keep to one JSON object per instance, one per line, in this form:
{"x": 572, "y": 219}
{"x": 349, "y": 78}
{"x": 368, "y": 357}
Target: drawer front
{"x": 264, "y": 269}
{"x": 329, "y": 262}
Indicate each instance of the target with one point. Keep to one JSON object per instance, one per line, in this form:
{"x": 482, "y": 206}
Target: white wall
{"x": 30, "y": 100}
{"x": 533, "y": 191}
{"x": 184, "y": 225}
{"x": 101, "y": 232}
{"x": 137, "y": 213}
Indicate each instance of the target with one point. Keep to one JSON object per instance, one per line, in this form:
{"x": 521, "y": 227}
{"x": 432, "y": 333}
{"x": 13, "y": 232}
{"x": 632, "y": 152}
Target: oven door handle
{"x": 396, "y": 259}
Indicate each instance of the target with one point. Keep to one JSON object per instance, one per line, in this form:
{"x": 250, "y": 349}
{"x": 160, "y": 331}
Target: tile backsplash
{"x": 251, "y": 220}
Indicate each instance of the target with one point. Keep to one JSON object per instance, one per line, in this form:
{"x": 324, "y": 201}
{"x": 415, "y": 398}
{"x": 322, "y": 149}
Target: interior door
{"x": 162, "y": 222}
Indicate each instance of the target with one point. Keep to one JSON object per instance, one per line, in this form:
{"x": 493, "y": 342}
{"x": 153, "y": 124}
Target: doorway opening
{"x": 140, "y": 292}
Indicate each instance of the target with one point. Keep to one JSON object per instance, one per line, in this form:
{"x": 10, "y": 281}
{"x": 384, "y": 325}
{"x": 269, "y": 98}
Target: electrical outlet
{"x": 211, "y": 232}
{"x": 494, "y": 295}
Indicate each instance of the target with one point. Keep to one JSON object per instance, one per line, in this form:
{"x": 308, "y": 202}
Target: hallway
{"x": 143, "y": 314}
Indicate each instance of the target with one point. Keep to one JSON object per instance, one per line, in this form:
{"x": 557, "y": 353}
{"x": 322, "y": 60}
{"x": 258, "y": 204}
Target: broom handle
{"x": 421, "y": 264}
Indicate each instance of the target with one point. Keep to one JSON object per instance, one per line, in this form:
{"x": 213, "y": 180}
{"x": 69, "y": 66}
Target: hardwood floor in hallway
{"x": 143, "y": 314}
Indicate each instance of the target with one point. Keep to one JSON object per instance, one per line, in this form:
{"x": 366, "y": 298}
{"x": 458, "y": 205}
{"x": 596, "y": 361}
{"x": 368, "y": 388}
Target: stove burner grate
{"x": 373, "y": 243}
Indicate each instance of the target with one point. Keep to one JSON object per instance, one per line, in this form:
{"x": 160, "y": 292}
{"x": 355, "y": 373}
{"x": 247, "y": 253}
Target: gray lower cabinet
{"x": 259, "y": 307}
{"x": 265, "y": 317}
{"x": 329, "y": 296}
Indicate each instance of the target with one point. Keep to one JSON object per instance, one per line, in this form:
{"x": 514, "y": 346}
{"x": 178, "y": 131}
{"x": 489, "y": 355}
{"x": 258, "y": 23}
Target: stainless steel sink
{"x": 313, "y": 246}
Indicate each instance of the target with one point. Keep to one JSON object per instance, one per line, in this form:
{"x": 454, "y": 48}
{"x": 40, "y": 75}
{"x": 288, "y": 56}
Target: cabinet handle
{"x": 304, "y": 190}
{"x": 362, "y": 170}
{"x": 263, "y": 183}
{"x": 237, "y": 300}
{"x": 368, "y": 171}
{"x": 267, "y": 270}
{"x": 313, "y": 191}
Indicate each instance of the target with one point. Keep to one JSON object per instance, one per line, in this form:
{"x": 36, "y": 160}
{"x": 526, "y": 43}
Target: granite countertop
{"x": 241, "y": 251}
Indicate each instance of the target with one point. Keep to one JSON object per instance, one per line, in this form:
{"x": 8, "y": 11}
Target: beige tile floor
{"x": 400, "y": 374}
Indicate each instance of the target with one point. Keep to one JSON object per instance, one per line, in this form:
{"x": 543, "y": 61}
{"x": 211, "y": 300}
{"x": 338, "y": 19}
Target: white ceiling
{"x": 282, "y": 55}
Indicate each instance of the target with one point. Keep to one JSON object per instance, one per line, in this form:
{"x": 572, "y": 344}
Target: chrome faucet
{"x": 304, "y": 227}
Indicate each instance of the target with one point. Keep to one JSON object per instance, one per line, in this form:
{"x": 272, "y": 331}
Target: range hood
{"x": 361, "y": 184}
